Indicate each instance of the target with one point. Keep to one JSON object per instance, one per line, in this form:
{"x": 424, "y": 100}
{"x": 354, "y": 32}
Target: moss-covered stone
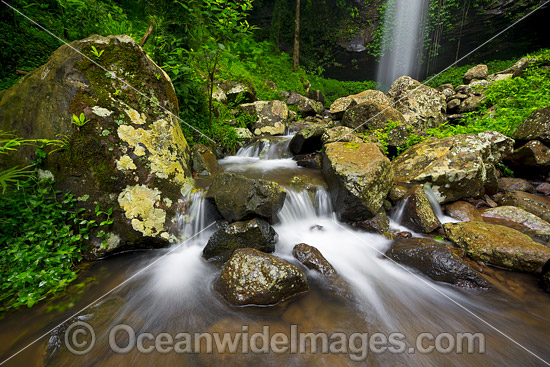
{"x": 418, "y": 214}
{"x": 498, "y": 245}
{"x": 534, "y": 204}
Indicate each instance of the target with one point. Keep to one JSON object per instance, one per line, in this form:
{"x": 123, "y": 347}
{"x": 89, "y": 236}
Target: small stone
{"x": 313, "y": 259}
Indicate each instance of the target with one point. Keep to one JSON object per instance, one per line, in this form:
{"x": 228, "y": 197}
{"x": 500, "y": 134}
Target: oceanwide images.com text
{"x": 80, "y": 339}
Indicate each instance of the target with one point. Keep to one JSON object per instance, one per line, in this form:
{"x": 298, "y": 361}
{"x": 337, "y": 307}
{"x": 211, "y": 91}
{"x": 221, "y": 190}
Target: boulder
{"x": 236, "y": 92}
{"x": 498, "y": 245}
{"x": 532, "y": 159}
{"x": 252, "y": 277}
{"x": 478, "y": 72}
{"x": 338, "y": 107}
{"x": 418, "y": 214}
{"x": 453, "y": 105}
{"x": 238, "y": 197}
{"x": 463, "y": 211}
{"x": 255, "y": 233}
{"x": 307, "y": 140}
{"x": 340, "y": 134}
{"x": 312, "y": 258}
{"x": 306, "y": 106}
{"x": 534, "y": 204}
{"x": 272, "y": 117}
{"x": 535, "y": 127}
{"x": 507, "y": 184}
{"x": 470, "y": 104}
{"x": 204, "y": 161}
{"x": 436, "y": 260}
{"x": 359, "y": 178}
{"x": 380, "y": 223}
{"x": 372, "y": 96}
{"x": 423, "y": 107}
{"x": 518, "y": 218}
{"x": 455, "y": 167}
{"x": 544, "y": 188}
{"x": 447, "y": 89}
{"x": 130, "y": 156}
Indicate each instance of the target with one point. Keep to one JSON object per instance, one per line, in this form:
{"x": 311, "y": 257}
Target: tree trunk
{"x": 296, "y": 54}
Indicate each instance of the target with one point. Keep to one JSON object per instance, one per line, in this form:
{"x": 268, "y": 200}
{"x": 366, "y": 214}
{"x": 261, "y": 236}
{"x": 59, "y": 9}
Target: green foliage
{"x": 454, "y": 74}
{"x": 97, "y": 53}
{"x": 79, "y": 120}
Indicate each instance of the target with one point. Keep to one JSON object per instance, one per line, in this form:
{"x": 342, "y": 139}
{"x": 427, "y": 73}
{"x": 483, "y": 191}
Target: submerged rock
{"x": 436, "y": 260}
{"x": 130, "y": 155}
{"x": 455, "y": 167}
{"x": 238, "y": 197}
{"x": 204, "y": 161}
{"x": 255, "y": 233}
{"x": 418, "y": 214}
{"x": 498, "y": 245}
{"x": 312, "y": 258}
{"x": 463, "y": 211}
{"x": 423, "y": 107}
{"x": 534, "y": 204}
{"x": 251, "y": 277}
{"x": 535, "y": 127}
{"x": 359, "y": 178}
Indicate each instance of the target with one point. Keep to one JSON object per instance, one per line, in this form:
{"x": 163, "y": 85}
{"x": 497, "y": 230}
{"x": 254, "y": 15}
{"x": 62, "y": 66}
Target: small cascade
{"x": 197, "y": 216}
{"x": 437, "y": 208}
{"x": 299, "y": 205}
{"x": 267, "y": 149}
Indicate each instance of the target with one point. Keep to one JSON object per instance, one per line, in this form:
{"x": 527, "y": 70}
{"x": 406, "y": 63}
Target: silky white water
{"x": 402, "y": 39}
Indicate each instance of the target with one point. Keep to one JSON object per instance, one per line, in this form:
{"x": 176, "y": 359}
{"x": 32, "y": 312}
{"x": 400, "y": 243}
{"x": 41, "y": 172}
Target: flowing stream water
{"x": 175, "y": 295}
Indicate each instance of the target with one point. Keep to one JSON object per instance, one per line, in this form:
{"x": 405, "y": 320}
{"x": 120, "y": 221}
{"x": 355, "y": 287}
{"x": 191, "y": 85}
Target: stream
{"x": 175, "y": 294}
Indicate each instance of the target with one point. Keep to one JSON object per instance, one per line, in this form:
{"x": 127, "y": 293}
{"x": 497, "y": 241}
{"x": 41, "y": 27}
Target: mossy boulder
{"x": 252, "y": 277}
{"x": 423, "y": 107}
{"x": 373, "y": 96}
{"x": 340, "y": 106}
{"x": 307, "y": 140}
{"x": 498, "y": 245}
{"x": 306, "y": 106}
{"x": 204, "y": 161}
{"x": 359, "y": 178}
{"x": 340, "y": 134}
{"x": 517, "y": 217}
{"x": 455, "y": 167}
{"x": 238, "y": 197}
{"x": 130, "y": 156}
{"x": 273, "y": 117}
{"x": 436, "y": 260}
{"x": 534, "y": 204}
{"x": 531, "y": 160}
{"x": 255, "y": 233}
{"x": 535, "y": 127}
{"x": 478, "y": 72}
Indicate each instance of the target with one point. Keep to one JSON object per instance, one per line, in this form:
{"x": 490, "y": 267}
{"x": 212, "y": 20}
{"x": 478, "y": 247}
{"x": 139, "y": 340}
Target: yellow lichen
{"x": 125, "y": 163}
{"x": 138, "y": 203}
{"x": 136, "y": 117}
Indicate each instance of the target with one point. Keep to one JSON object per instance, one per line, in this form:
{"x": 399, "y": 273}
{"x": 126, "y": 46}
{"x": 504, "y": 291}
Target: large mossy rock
{"x": 255, "y": 233}
{"x": 437, "y": 260}
{"x": 423, "y": 107}
{"x": 455, "y": 167}
{"x": 373, "y": 96}
{"x": 359, "y": 178}
{"x": 251, "y": 277}
{"x": 238, "y": 197}
{"x": 307, "y": 140}
{"x": 517, "y": 217}
{"x": 531, "y": 160}
{"x": 535, "y": 127}
{"x": 534, "y": 204}
{"x": 272, "y": 117}
{"x": 498, "y": 245}
{"x": 306, "y": 106}
{"x": 130, "y": 156}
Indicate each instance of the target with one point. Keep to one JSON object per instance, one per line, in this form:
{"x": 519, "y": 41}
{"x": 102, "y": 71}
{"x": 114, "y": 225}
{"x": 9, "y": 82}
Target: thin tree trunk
{"x": 296, "y": 54}
{"x": 147, "y": 34}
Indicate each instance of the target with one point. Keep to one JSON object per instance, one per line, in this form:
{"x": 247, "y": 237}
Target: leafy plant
{"x": 79, "y": 120}
{"x": 97, "y": 53}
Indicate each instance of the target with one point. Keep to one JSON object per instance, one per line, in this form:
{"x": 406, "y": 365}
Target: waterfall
{"x": 402, "y": 39}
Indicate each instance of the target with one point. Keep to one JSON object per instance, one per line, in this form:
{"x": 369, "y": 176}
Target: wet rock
{"x": 423, "y": 107}
{"x": 507, "y": 184}
{"x": 517, "y": 217}
{"x": 306, "y": 106}
{"x": 403, "y": 235}
{"x": 463, "y": 211}
{"x": 359, "y": 178}
{"x": 532, "y": 159}
{"x": 418, "y": 214}
{"x": 498, "y": 245}
{"x": 238, "y": 197}
{"x": 338, "y": 107}
{"x": 312, "y": 258}
{"x": 544, "y": 188}
{"x": 455, "y": 167}
{"x": 312, "y": 160}
{"x": 255, "y": 233}
{"x": 340, "y": 134}
{"x": 273, "y": 117}
{"x": 130, "y": 156}
{"x": 378, "y": 224}
{"x": 251, "y": 277}
{"x": 478, "y": 72}
{"x": 535, "y": 127}
{"x": 470, "y": 104}
{"x": 307, "y": 140}
{"x": 370, "y": 116}
{"x": 436, "y": 260}
{"x": 534, "y": 204}
{"x": 372, "y": 96}
{"x": 204, "y": 161}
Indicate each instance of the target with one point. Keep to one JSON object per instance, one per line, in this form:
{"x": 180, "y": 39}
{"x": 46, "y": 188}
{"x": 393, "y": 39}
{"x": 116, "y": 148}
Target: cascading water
{"x": 402, "y": 39}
